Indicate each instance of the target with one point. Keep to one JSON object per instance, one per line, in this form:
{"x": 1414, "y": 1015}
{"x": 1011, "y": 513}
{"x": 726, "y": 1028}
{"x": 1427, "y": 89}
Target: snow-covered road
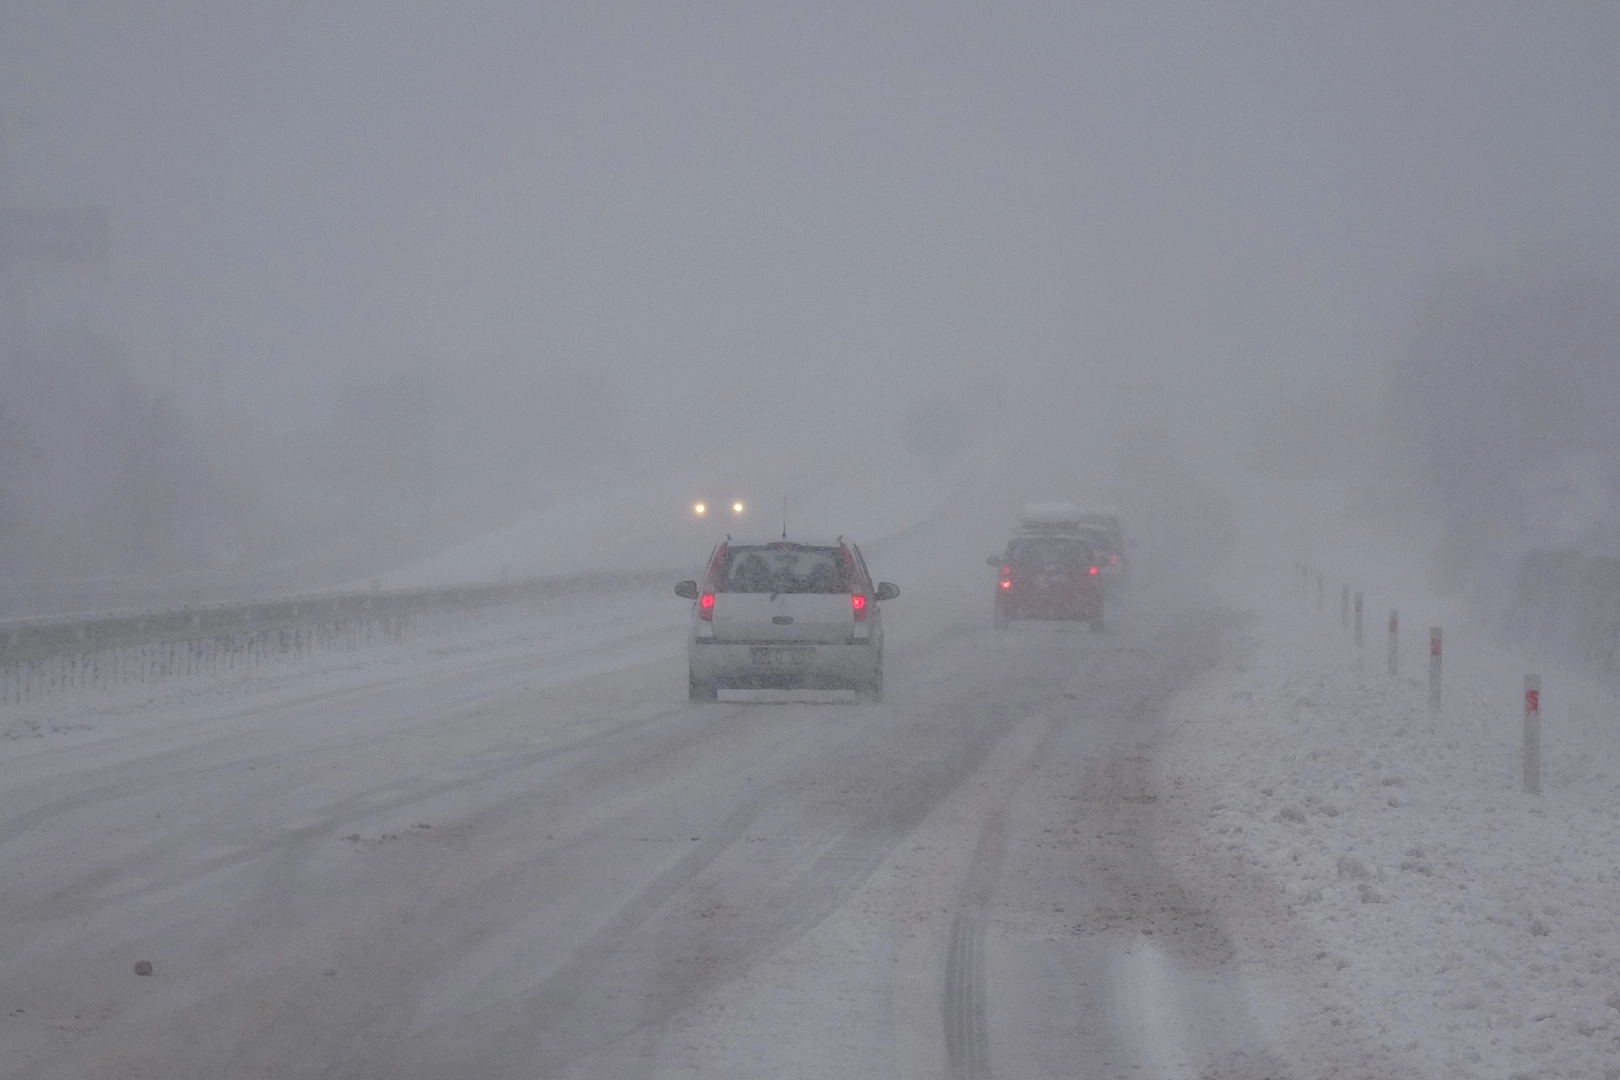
{"x": 535, "y": 858}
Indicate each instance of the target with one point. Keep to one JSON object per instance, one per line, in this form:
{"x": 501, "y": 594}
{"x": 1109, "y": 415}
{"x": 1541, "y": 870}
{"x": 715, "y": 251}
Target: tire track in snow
{"x": 668, "y": 958}
{"x": 967, "y": 1035}
{"x": 966, "y": 1016}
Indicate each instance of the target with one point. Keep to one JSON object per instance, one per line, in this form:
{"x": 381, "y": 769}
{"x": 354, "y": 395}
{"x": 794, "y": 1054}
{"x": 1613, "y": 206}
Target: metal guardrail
{"x": 40, "y": 600}
{"x": 41, "y": 657}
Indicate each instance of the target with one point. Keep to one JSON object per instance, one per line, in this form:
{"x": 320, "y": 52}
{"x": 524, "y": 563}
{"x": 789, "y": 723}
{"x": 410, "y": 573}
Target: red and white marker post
{"x": 1532, "y": 734}
{"x": 1394, "y": 634}
{"x": 1434, "y": 669}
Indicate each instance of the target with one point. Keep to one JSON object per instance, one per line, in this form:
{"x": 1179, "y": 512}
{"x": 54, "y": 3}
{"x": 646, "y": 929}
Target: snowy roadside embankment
{"x": 649, "y": 526}
{"x": 606, "y": 543}
{"x": 577, "y": 635}
{"x": 1379, "y": 866}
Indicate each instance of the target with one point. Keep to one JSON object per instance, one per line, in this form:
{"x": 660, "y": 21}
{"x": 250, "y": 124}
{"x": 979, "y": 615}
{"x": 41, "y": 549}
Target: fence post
{"x": 1394, "y": 633}
{"x": 1532, "y": 734}
{"x": 1434, "y": 668}
{"x": 1344, "y": 606}
{"x": 1358, "y": 620}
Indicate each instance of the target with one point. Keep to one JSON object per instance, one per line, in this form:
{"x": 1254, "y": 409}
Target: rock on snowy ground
{"x": 1378, "y": 864}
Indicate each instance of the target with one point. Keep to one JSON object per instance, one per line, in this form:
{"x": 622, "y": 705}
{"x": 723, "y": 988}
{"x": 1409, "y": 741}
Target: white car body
{"x": 777, "y": 629}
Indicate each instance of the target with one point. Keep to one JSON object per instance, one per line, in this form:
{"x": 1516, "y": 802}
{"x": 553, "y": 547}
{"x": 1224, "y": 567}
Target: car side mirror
{"x": 994, "y": 560}
{"x": 887, "y": 590}
{"x": 687, "y": 590}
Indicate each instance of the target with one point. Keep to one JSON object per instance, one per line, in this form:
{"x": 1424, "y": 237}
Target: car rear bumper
{"x": 782, "y": 665}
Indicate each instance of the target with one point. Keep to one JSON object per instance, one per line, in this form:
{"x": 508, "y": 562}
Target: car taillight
{"x": 1113, "y": 560}
{"x": 706, "y": 607}
{"x": 1094, "y": 570}
{"x": 857, "y": 604}
{"x": 1006, "y": 577}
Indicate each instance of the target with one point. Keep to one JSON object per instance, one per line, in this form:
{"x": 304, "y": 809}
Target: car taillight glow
{"x": 857, "y": 604}
{"x": 1005, "y": 583}
{"x": 1094, "y": 570}
{"x": 1113, "y": 560}
{"x": 706, "y": 607}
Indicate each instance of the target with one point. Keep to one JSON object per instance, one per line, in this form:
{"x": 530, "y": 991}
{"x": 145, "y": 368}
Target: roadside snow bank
{"x": 1380, "y": 865}
{"x": 649, "y": 526}
{"x": 576, "y": 634}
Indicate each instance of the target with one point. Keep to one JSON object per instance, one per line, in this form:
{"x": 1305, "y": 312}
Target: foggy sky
{"x": 759, "y": 211}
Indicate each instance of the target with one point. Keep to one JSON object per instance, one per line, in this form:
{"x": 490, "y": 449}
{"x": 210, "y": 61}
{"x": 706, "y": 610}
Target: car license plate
{"x": 772, "y": 656}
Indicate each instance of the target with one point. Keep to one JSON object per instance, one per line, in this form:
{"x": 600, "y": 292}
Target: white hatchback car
{"x": 786, "y": 614}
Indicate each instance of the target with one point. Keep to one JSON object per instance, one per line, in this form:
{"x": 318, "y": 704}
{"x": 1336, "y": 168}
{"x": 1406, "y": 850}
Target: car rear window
{"x": 1098, "y": 539}
{"x": 782, "y": 568}
{"x": 1105, "y": 523}
{"x": 1048, "y": 551}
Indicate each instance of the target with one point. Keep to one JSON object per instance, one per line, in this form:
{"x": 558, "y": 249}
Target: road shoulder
{"x": 1373, "y": 870}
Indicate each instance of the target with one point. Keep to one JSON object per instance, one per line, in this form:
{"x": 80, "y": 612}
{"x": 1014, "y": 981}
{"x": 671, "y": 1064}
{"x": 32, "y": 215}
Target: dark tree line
{"x": 103, "y": 476}
{"x": 99, "y": 476}
{"x": 1504, "y": 411}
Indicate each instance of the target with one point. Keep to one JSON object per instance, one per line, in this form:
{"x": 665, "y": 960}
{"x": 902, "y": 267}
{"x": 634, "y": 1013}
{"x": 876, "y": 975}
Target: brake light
{"x": 1006, "y": 577}
{"x": 706, "y": 607}
{"x": 1006, "y": 583}
{"x": 1093, "y": 569}
{"x": 857, "y": 604}
{"x": 1113, "y": 560}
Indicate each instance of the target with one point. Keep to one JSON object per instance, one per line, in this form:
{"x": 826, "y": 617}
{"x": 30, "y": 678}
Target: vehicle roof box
{"x": 1049, "y": 515}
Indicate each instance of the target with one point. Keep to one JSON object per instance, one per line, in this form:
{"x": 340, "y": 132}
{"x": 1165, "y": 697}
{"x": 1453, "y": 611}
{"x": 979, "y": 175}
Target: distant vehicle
{"x": 1113, "y": 550}
{"x": 703, "y": 509}
{"x": 786, "y": 614}
{"x": 1049, "y": 517}
{"x": 1049, "y": 570}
